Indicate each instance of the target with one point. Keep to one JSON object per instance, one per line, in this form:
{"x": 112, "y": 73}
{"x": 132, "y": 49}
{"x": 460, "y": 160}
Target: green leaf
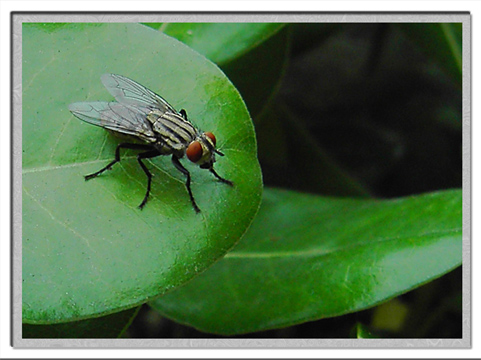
{"x": 220, "y": 42}
{"x": 443, "y": 42}
{"x": 106, "y": 327}
{"x": 87, "y": 249}
{"x": 307, "y": 257}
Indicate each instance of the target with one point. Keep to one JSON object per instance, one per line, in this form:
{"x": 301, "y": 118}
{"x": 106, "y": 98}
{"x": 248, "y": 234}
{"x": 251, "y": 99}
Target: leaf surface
{"x": 87, "y": 249}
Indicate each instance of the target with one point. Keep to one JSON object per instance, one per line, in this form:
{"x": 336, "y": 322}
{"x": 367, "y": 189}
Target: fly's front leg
{"x": 225, "y": 181}
{"x": 184, "y": 171}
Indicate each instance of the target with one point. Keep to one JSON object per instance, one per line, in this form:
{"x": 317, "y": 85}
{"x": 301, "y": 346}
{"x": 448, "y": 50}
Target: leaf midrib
{"x": 321, "y": 253}
{"x": 66, "y": 166}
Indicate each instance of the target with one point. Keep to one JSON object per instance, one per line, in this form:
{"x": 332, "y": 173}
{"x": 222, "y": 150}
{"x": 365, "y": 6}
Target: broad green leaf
{"x": 307, "y": 257}
{"x": 106, "y": 327}
{"x": 87, "y": 249}
{"x": 443, "y": 42}
{"x": 220, "y": 42}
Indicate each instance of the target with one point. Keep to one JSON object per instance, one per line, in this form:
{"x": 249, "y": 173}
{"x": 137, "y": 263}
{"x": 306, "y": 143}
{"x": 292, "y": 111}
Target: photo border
{"x": 18, "y": 18}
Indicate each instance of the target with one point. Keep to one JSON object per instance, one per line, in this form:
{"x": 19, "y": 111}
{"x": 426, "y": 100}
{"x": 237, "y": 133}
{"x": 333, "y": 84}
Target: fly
{"x": 144, "y": 115}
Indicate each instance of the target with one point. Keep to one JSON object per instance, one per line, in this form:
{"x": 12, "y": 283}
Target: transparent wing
{"x": 128, "y": 91}
{"x": 126, "y": 119}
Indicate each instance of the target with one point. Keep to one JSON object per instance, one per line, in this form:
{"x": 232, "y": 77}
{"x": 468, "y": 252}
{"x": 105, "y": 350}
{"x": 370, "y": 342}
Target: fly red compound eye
{"x": 194, "y": 151}
{"x": 210, "y": 136}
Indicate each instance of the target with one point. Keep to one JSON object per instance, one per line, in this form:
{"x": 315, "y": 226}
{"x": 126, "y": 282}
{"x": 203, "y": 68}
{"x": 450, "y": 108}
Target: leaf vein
{"x": 317, "y": 252}
{"x": 54, "y": 218}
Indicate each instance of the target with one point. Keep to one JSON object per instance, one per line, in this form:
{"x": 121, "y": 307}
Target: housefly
{"x": 145, "y": 116}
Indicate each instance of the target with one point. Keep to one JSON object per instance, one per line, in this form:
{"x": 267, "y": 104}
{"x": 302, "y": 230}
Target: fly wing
{"x": 126, "y": 119}
{"x": 127, "y": 91}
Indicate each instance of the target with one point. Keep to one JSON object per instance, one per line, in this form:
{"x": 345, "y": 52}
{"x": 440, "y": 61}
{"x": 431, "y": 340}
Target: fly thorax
{"x": 172, "y": 130}
{"x": 154, "y": 115}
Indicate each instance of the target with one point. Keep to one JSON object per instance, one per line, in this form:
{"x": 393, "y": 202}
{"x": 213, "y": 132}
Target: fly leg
{"x": 183, "y": 170}
{"x": 152, "y": 152}
{"x": 225, "y": 181}
{"x": 146, "y": 155}
{"x": 183, "y": 114}
{"x": 117, "y": 157}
